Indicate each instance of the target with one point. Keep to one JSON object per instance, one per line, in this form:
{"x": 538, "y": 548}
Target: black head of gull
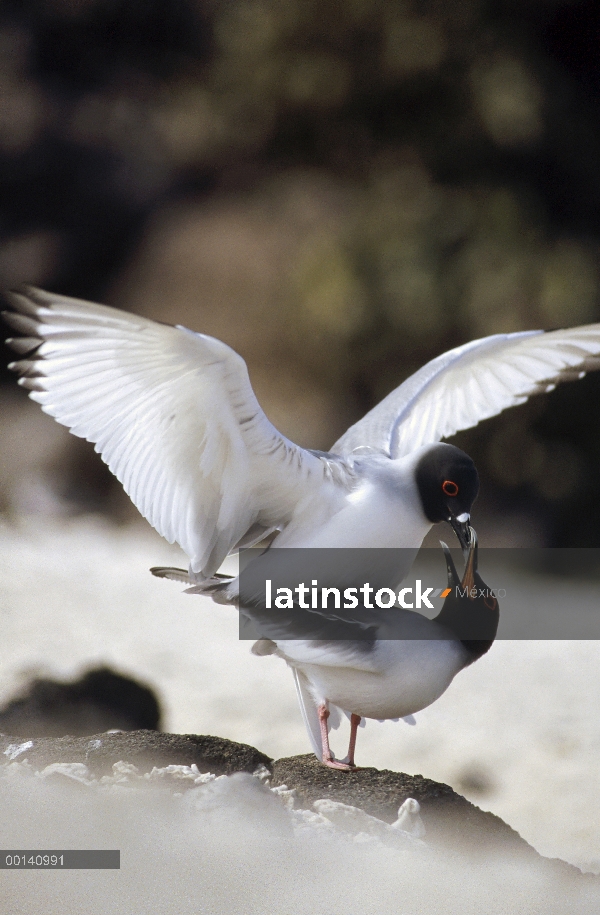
{"x": 448, "y": 484}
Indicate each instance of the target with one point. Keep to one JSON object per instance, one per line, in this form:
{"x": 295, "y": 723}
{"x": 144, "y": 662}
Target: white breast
{"x": 410, "y": 676}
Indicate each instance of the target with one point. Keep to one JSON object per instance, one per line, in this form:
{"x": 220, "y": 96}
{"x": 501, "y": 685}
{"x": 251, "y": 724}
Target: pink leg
{"x": 327, "y": 754}
{"x": 354, "y": 723}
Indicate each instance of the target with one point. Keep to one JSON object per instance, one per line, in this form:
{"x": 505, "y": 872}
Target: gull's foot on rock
{"x": 337, "y": 764}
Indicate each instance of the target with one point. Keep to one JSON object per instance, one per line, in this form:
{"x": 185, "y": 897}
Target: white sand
{"x": 524, "y": 719}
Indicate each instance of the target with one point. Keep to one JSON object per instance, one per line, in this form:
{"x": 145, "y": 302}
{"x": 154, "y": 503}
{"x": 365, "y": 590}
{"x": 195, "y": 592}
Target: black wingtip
{"x": 23, "y": 346}
{"x": 28, "y": 300}
{"x": 23, "y": 322}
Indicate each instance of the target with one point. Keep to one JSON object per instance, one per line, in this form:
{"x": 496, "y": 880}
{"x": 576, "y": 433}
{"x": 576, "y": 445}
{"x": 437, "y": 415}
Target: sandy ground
{"x": 518, "y": 733}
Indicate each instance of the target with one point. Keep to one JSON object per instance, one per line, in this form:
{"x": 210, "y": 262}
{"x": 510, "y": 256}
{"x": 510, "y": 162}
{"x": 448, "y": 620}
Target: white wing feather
{"x": 173, "y": 415}
{"x": 471, "y": 383}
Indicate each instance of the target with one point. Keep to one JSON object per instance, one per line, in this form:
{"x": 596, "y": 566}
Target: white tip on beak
{"x": 463, "y": 518}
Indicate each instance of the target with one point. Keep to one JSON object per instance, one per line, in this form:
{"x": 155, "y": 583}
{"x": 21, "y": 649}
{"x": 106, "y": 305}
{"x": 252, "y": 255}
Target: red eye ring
{"x": 450, "y": 487}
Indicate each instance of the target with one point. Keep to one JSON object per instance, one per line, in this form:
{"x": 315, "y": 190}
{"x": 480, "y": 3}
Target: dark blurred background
{"x": 339, "y": 190}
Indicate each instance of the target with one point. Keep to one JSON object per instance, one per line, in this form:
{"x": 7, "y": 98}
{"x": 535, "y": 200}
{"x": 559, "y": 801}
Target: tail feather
{"x": 217, "y": 587}
{"x": 171, "y": 574}
{"x": 213, "y": 586}
{"x": 310, "y": 713}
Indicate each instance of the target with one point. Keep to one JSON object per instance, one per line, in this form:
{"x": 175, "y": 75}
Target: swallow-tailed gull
{"x": 373, "y": 663}
{"x": 173, "y": 415}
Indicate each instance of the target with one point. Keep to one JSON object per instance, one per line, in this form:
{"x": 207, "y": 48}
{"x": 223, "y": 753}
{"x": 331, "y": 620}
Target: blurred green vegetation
{"x": 341, "y": 190}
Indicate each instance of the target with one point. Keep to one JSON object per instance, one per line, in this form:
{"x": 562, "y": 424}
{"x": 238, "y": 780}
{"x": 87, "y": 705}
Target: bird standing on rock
{"x": 371, "y": 662}
{"x": 173, "y": 415}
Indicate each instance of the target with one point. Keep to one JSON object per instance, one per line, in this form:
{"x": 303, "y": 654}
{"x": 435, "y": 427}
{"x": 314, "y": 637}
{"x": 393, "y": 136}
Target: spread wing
{"x": 471, "y": 383}
{"x": 173, "y": 415}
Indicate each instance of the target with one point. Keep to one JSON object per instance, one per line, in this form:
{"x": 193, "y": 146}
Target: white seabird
{"x": 369, "y": 662}
{"x": 174, "y": 416}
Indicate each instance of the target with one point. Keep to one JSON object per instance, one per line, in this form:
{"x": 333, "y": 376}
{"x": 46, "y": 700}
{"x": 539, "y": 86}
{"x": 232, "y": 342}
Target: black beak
{"x": 462, "y": 529}
{"x": 453, "y": 579}
{"x": 468, "y": 579}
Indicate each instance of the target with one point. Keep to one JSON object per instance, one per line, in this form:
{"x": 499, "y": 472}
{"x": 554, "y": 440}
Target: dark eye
{"x": 450, "y": 488}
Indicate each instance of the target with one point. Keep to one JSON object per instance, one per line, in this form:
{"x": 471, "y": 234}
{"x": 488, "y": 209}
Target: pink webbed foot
{"x": 338, "y": 764}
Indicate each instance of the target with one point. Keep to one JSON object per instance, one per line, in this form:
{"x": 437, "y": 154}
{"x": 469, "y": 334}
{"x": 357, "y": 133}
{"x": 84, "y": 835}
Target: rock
{"x": 450, "y": 820}
{"x": 409, "y": 819}
{"x": 144, "y": 749}
{"x": 452, "y": 824}
{"x": 99, "y": 701}
{"x": 356, "y": 822}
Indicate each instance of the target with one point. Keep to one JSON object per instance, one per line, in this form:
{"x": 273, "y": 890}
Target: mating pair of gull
{"x": 174, "y": 416}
